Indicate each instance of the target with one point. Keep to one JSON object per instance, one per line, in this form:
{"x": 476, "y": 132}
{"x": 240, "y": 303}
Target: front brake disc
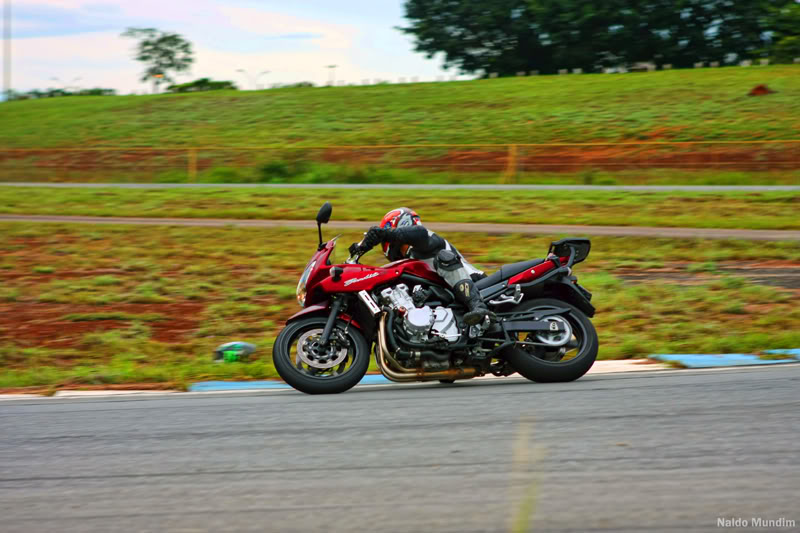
{"x": 312, "y": 353}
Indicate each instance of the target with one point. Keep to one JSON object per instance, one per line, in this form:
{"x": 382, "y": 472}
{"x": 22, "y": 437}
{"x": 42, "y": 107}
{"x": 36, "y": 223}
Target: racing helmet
{"x": 398, "y": 218}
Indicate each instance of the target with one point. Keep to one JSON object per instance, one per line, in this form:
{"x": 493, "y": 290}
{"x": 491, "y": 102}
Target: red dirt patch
{"x": 760, "y": 90}
{"x": 349, "y": 156}
{"x": 41, "y": 324}
{"x": 760, "y": 309}
{"x": 773, "y": 263}
{"x": 572, "y": 158}
{"x": 534, "y": 158}
{"x": 62, "y": 274}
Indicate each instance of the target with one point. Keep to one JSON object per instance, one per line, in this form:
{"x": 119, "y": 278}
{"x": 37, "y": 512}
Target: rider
{"x": 403, "y": 237}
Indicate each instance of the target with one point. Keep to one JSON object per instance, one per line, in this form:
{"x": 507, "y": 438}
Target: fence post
{"x": 192, "y": 165}
{"x": 510, "y": 174}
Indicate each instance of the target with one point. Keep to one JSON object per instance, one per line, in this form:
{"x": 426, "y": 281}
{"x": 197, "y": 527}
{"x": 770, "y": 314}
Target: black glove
{"x": 355, "y": 249}
{"x": 374, "y": 237}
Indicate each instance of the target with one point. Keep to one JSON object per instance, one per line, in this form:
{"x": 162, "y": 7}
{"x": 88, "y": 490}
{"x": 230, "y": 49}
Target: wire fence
{"x": 506, "y": 163}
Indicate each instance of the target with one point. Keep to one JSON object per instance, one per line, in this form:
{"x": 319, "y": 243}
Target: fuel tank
{"x": 357, "y": 278}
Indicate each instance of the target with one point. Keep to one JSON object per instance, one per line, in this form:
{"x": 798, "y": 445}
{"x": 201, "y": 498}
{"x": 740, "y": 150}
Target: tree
{"x": 507, "y": 36}
{"x": 162, "y": 53}
{"x": 786, "y": 33}
{"x": 474, "y": 35}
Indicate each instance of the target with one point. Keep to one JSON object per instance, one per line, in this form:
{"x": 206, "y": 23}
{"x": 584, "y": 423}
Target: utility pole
{"x": 7, "y": 48}
{"x": 253, "y": 79}
{"x": 332, "y": 74}
{"x": 259, "y": 87}
{"x": 247, "y": 76}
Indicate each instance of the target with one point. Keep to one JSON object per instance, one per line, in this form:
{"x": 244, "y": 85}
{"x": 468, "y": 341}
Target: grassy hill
{"x": 681, "y": 105}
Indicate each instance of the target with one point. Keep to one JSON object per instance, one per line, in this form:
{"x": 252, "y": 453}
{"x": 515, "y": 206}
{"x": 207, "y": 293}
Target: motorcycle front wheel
{"x": 552, "y": 358}
{"x": 308, "y": 366}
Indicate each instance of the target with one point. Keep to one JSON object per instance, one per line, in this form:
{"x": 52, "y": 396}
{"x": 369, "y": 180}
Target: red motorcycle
{"x": 411, "y": 317}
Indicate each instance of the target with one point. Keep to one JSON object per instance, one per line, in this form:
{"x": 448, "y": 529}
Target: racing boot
{"x": 469, "y": 296}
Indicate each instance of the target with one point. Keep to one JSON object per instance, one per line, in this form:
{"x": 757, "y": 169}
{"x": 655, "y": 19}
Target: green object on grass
{"x": 232, "y": 352}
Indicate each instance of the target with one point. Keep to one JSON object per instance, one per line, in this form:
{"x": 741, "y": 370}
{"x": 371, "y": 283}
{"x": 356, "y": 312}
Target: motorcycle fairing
{"x": 356, "y": 278}
{"x": 323, "y": 308}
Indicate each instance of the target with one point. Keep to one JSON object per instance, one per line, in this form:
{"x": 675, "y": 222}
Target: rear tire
{"x": 537, "y": 369}
{"x": 292, "y": 373}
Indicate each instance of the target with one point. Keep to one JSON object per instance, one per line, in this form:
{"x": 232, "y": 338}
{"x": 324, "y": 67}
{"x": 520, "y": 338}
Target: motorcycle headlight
{"x": 301, "y": 285}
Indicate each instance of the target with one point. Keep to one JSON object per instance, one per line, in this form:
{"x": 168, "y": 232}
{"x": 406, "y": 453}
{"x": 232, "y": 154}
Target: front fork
{"x": 336, "y": 308}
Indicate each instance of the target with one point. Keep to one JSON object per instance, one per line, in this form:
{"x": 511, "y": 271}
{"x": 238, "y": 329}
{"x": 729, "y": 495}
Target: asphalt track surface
{"x": 414, "y": 186}
{"x": 463, "y": 227}
{"x": 639, "y": 452}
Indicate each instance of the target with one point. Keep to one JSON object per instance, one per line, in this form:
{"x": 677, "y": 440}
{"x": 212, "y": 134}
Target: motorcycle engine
{"x": 422, "y": 323}
{"x": 398, "y": 297}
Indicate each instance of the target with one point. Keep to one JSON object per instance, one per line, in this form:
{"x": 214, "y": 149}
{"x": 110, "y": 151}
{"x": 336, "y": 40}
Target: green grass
{"x": 710, "y": 266}
{"x": 775, "y": 356}
{"x": 31, "y": 169}
{"x": 702, "y": 104}
{"x": 749, "y": 210}
{"x": 203, "y": 287}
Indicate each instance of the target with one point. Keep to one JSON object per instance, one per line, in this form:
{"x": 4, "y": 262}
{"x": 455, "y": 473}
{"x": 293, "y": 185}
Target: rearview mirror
{"x": 324, "y": 214}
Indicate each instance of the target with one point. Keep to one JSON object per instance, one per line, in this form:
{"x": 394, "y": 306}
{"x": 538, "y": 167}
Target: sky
{"x": 78, "y": 42}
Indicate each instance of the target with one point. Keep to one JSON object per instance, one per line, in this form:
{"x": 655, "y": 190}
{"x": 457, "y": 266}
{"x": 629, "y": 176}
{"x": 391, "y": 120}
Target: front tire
{"x": 313, "y": 369}
{"x": 545, "y": 366}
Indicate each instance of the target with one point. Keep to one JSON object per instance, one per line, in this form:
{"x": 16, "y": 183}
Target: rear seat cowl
{"x": 507, "y": 271}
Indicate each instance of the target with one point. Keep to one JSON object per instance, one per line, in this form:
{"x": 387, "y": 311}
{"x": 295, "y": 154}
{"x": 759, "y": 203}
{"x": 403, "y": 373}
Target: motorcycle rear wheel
{"x": 346, "y": 360}
{"x": 545, "y": 366}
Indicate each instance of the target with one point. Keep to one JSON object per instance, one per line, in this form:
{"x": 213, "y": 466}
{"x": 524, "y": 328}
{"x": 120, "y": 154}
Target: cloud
{"x": 299, "y": 36}
{"x": 273, "y": 24}
{"x": 100, "y": 59}
{"x": 226, "y": 38}
{"x": 38, "y": 20}
{"x": 42, "y": 18}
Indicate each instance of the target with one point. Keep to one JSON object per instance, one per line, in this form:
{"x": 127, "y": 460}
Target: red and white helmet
{"x": 398, "y": 218}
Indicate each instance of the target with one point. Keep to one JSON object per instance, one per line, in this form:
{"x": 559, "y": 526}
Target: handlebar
{"x": 353, "y": 259}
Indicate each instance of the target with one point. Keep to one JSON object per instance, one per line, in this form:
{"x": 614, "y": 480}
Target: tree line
{"x": 55, "y": 93}
{"x": 510, "y": 36}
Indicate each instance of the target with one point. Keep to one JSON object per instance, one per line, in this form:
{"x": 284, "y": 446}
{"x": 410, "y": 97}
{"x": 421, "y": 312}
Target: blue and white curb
{"x": 794, "y": 352}
{"x": 693, "y": 360}
{"x": 600, "y": 367}
{"x": 207, "y": 386}
{"x": 712, "y": 362}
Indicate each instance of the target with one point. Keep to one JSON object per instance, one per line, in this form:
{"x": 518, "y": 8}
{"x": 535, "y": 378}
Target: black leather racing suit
{"x": 442, "y": 256}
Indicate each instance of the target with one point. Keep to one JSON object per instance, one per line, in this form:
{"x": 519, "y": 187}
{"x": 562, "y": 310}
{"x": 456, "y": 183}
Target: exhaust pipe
{"x": 403, "y": 374}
